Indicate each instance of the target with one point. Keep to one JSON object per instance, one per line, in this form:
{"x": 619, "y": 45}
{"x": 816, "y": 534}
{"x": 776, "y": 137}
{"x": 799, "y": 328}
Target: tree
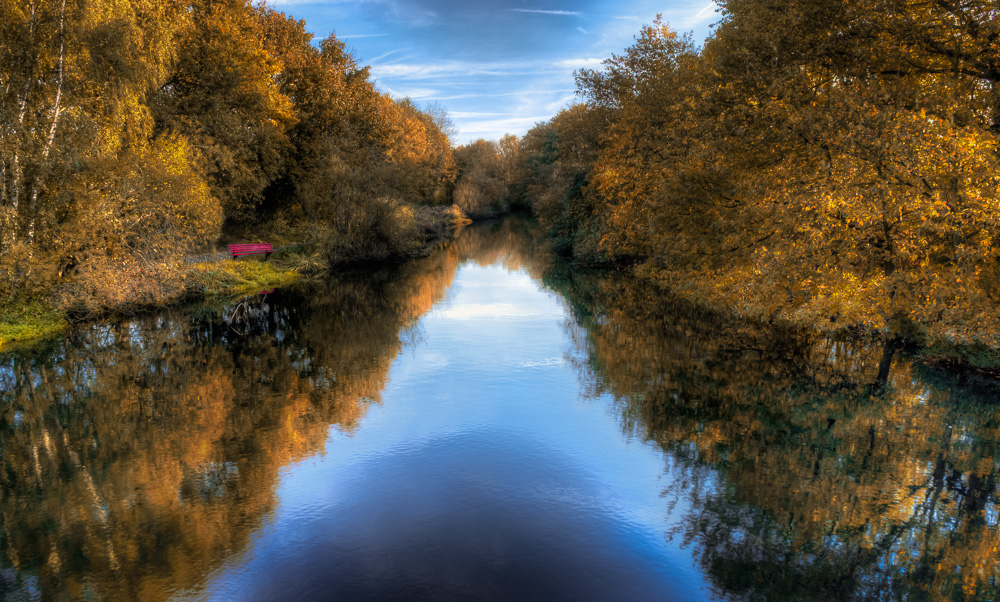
{"x": 829, "y": 163}
{"x": 222, "y": 94}
{"x": 75, "y": 80}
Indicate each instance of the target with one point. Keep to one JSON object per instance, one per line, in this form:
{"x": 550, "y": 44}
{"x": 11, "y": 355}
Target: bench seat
{"x": 251, "y": 249}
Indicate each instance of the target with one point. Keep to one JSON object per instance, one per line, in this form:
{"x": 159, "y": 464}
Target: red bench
{"x": 251, "y": 249}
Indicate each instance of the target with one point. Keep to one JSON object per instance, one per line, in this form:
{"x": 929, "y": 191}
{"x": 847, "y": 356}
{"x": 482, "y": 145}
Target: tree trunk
{"x": 885, "y": 364}
{"x": 56, "y": 112}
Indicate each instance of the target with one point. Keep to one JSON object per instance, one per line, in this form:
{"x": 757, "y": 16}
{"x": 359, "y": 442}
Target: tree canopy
{"x": 132, "y": 131}
{"x": 830, "y": 163}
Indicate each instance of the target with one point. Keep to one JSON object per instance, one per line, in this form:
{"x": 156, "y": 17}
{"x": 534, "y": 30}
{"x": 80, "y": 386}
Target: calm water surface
{"x": 487, "y": 424}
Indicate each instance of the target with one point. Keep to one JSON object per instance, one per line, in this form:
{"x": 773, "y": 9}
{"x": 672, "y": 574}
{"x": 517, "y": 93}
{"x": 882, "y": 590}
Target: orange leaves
{"x": 798, "y": 154}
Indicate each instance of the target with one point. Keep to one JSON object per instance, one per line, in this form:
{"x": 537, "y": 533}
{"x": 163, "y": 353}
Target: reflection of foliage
{"x": 834, "y": 486}
{"x": 139, "y": 455}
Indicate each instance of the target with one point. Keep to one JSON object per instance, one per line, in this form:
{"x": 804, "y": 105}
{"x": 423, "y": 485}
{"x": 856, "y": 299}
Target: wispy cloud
{"x": 363, "y": 35}
{"x": 560, "y": 103}
{"x": 473, "y": 114}
{"x": 449, "y": 70}
{"x": 468, "y": 96}
{"x": 583, "y": 31}
{"x": 706, "y": 11}
{"x": 416, "y": 93}
{"x": 625, "y": 18}
{"x": 580, "y": 63}
{"x": 292, "y": 2}
{"x": 495, "y": 128}
{"x": 382, "y": 56}
{"x": 565, "y": 13}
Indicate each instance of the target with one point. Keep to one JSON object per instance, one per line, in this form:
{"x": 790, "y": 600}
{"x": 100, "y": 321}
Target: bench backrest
{"x": 250, "y": 248}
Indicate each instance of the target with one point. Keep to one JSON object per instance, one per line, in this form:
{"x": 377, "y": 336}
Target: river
{"x": 487, "y": 423}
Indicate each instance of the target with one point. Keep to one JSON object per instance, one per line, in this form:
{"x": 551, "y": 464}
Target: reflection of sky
{"x": 484, "y": 474}
{"x": 496, "y": 66}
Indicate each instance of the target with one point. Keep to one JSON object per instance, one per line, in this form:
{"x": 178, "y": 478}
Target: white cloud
{"x": 566, "y": 13}
{"x": 470, "y": 114}
{"x": 464, "y": 69}
{"x": 362, "y": 35}
{"x": 707, "y": 11}
{"x": 580, "y": 63}
{"x": 583, "y": 31}
{"x": 493, "y": 129}
{"x": 414, "y": 93}
{"x": 468, "y": 96}
{"x": 424, "y": 70}
{"x": 692, "y": 18}
{"x": 382, "y": 56}
{"x": 556, "y": 105}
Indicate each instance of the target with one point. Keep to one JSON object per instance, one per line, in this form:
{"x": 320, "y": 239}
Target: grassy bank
{"x": 25, "y": 320}
{"x": 235, "y": 278}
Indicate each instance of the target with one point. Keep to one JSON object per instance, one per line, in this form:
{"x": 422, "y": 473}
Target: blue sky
{"x": 496, "y": 66}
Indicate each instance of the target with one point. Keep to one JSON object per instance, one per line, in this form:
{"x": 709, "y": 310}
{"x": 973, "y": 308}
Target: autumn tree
{"x": 76, "y": 135}
{"x": 874, "y": 186}
{"x": 829, "y": 163}
{"x": 555, "y": 164}
{"x": 222, "y": 95}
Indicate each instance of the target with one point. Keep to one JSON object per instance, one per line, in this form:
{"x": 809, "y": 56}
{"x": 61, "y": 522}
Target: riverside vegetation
{"x": 826, "y": 165}
{"x": 144, "y": 457}
{"x": 134, "y": 134}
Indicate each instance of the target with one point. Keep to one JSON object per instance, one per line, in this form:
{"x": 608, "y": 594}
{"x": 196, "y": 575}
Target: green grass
{"x": 30, "y": 320}
{"x": 23, "y": 320}
{"x": 236, "y": 277}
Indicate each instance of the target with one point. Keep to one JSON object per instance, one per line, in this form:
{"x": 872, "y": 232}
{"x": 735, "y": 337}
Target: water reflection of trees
{"x": 137, "y": 456}
{"x": 830, "y": 488}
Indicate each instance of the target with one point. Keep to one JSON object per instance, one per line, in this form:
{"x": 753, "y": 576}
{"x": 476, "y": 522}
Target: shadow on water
{"x": 137, "y": 457}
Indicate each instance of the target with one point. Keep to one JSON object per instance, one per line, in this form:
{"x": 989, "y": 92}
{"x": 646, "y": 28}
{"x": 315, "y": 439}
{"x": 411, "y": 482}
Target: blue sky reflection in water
{"x": 498, "y": 66}
{"x": 484, "y": 474}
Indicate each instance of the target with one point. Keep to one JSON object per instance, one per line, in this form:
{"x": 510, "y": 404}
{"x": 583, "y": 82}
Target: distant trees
{"x": 486, "y": 176}
{"x": 831, "y": 163}
{"x": 131, "y": 130}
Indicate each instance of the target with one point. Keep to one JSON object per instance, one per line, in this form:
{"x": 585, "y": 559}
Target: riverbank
{"x": 26, "y": 320}
{"x": 918, "y": 341}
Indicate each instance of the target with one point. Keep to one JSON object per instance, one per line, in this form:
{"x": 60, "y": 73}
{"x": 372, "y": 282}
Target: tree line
{"x": 133, "y": 132}
{"x": 825, "y": 162}
{"x": 828, "y": 163}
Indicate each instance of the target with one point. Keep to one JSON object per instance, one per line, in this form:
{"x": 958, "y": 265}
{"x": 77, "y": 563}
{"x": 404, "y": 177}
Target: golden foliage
{"x": 131, "y": 130}
{"x": 832, "y": 164}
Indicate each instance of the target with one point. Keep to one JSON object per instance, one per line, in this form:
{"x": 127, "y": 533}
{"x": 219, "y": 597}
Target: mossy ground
{"x": 24, "y": 320}
{"x": 236, "y": 277}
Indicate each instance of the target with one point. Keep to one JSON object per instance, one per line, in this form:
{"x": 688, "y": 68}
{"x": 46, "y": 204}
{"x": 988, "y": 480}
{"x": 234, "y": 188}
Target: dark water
{"x": 487, "y": 424}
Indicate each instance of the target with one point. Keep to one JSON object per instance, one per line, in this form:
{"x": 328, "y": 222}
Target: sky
{"x": 495, "y": 66}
